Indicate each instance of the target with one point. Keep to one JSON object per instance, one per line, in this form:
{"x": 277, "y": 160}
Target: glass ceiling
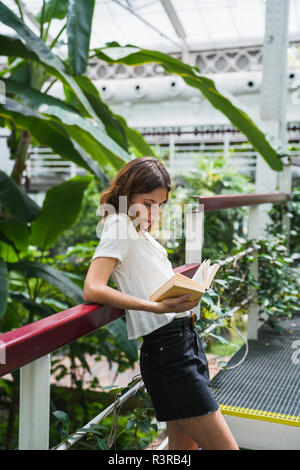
{"x": 174, "y": 25}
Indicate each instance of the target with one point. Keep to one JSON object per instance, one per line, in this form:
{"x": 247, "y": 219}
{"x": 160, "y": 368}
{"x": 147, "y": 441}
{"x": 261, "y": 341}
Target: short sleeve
{"x": 114, "y": 242}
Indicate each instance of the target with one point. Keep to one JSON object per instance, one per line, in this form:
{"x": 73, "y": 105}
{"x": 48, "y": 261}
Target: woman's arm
{"x": 97, "y": 291}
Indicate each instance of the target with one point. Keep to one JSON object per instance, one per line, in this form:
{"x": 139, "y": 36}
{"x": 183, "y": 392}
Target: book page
{"x": 205, "y": 273}
{"x": 198, "y": 276}
{"x": 212, "y": 272}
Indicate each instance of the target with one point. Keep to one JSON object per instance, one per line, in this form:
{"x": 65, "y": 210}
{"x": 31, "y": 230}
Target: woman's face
{"x": 152, "y": 203}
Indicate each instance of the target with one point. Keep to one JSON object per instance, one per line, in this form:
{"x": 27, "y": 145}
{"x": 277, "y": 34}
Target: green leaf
{"x": 79, "y": 23}
{"x": 136, "y": 139}
{"x": 49, "y": 133}
{"x": 111, "y": 122}
{"x": 3, "y": 286}
{"x": 90, "y": 136}
{"x": 234, "y": 278}
{"x": 130, "y": 423}
{"x": 222, "y": 364}
{"x": 207, "y": 299}
{"x": 216, "y": 309}
{"x": 102, "y": 444}
{"x": 55, "y": 277}
{"x": 14, "y": 47}
{"x": 21, "y": 72}
{"x": 118, "y": 330}
{"x": 5, "y": 239}
{"x": 62, "y": 416}
{"x": 219, "y": 338}
{"x": 21, "y": 207}
{"x": 132, "y": 55}
{"x": 53, "y": 9}
{"x": 60, "y": 210}
{"x": 41, "y": 52}
{"x": 223, "y": 282}
{"x": 17, "y": 233}
{"x": 108, "y": 387}
{"x": 34, "y": 307}
{"x": 101, "y": 176}
{"x": 7, "y": 252}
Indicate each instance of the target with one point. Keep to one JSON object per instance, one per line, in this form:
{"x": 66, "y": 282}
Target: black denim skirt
{"x": 175, "y": 372}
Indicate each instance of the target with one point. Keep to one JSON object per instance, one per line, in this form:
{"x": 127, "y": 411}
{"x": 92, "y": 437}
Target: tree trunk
{"x": 20, "y": 157}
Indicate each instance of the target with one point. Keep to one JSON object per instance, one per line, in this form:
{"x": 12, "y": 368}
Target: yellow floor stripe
{"x": 261, "y": 415}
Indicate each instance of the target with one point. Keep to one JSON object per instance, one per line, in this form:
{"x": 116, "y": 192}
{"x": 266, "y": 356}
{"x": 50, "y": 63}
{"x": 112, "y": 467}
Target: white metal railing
{"x": 68, "y": 443}
{"x": 43, "y": 163}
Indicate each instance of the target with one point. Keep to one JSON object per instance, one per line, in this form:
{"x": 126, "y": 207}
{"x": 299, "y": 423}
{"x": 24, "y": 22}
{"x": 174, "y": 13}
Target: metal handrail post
{"x": 34, "y": 415}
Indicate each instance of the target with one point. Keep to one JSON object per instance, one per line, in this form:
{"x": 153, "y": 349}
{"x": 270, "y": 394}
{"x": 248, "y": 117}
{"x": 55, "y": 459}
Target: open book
{"x": 179, "y": 284}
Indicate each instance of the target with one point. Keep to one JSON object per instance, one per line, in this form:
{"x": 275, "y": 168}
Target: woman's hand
{"x": 175, "y": 304}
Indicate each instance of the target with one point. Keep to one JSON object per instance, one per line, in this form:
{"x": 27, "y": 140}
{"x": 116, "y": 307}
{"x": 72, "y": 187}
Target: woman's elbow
{"x": 88, "y": 293}
{"x": 91, "y": 294}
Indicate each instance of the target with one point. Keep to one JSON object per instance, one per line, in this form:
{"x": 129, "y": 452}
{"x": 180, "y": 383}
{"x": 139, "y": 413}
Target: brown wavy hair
{"x": 140, "y": 175}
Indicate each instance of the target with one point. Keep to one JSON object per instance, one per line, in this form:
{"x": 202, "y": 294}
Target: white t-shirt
{"x": 142, "y": 267}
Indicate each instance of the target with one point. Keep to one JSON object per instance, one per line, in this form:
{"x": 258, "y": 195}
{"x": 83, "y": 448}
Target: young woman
{"x": 173, "y": 363}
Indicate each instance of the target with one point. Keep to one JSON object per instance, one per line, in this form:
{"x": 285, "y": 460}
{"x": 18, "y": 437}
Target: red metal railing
{"x": 213, "y": 203}
{"x": 44, "y": 336}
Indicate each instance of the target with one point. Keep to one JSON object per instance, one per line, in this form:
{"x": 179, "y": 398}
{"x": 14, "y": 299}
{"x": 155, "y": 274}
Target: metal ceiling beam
{"x": 175, "y": 21}
{"x": 147, "y": 23}
{"x": 173, "y": 17}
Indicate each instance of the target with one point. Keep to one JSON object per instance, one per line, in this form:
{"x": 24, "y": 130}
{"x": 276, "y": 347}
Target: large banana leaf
{"x": 115, "y": 126}
{"x": 49, "y": 133}
{"x": 15, "y": 234}
{"x": 92, "y": 138}
{"x": 79, "y": 22}
{"x": 92, "y": 164}
{"x": 7, "y": 251}
{"x": 43, "y": 53}
{"x": 4, "y": 239}
{"x": 20, "y": 206}
{"x": 55, "y": 277}
{"x": 35, "y": 307}
{"x": 135, "y": 139}
{"x": 112, "y": 125}
{"x": 54, "y": 9}
{"x": 118, "y": 330}
{"x": 14, "y": 47}
{"x": 60, "y": 210}
{"x": 3, "y": 287}
{"x": 132, "y": 55}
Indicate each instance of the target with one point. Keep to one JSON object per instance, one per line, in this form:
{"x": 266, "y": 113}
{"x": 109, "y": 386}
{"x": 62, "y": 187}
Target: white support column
{"x": 34, "y": 418}
{"x": 286, "y": 187}
{"x": 194, "y": 237}
{"x": 172, "y": 154}
{"x": 253, "y": 308}
{"x": 273, "y": 113}
{"x": 194, "y": 232}
{"x": 6, "y": 163}
{"x": 226, "y": 144}
{"x": 273, "y": 95}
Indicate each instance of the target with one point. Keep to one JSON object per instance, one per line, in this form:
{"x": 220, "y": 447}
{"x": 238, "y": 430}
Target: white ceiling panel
{"x": 207, "y": 23}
